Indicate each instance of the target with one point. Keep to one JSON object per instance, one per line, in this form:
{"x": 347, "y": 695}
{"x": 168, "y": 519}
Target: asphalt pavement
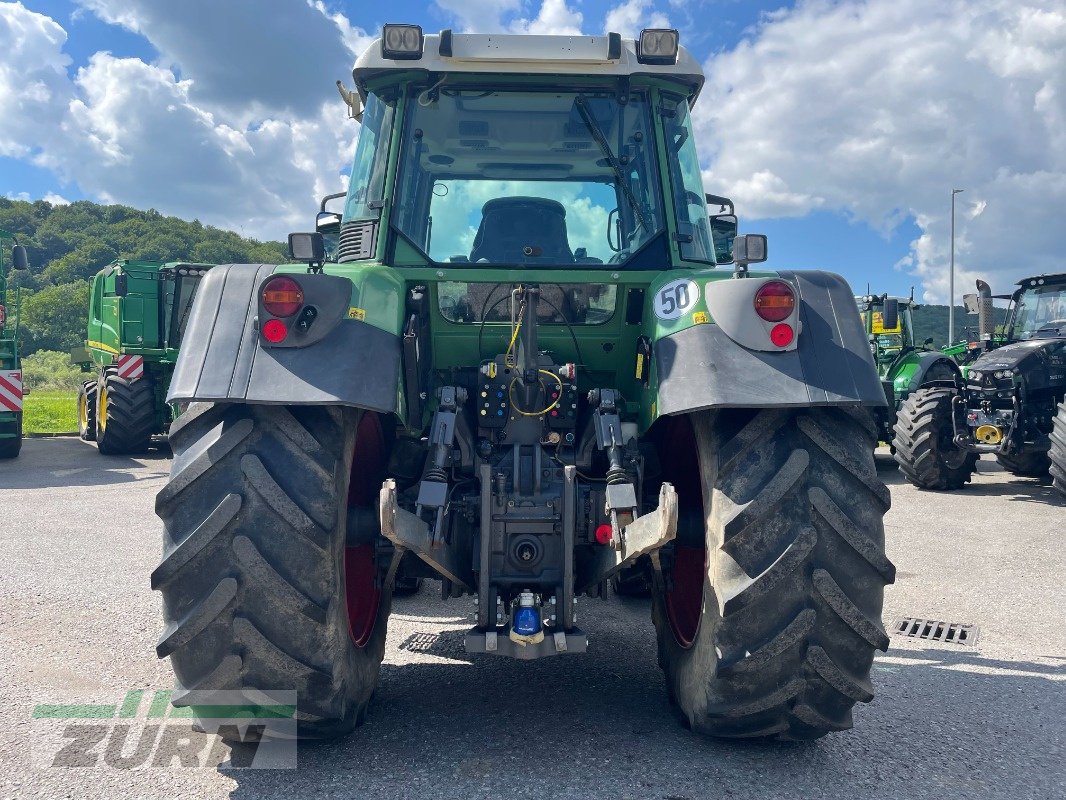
{"x": 78, "y": 626}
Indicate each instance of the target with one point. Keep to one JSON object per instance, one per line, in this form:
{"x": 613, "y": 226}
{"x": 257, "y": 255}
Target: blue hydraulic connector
{"x": 527, "y": 616}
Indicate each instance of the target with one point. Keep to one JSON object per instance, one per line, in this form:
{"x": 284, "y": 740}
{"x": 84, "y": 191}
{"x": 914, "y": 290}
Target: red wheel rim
{"x": 361, "y": 592}
{"x": 681, "y": 467}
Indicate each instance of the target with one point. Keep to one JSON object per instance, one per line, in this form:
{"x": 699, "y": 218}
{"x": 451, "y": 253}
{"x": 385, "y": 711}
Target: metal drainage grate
{"x": 937, "y": 630}
{"x": 420, "y": 642}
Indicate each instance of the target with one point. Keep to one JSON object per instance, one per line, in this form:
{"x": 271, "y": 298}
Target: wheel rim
{"x": 681, "y": 467}
{"x": 361, "y": 592}
{"x": 83, "y": 414}
{"x": 101, "y": 408}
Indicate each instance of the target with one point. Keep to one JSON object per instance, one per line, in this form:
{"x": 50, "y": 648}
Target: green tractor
{"x": 10, "y": 366}
{"x": 527, "y": 369}
{"x": 138, "y": 311}
{"x": 902, "y": 365}
{"x": 1010, "y": 401}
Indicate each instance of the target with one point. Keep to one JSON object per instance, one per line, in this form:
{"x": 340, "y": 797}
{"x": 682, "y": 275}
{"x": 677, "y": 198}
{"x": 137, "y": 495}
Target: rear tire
{"x": 1057, "y": 453}
{"x": 10, "y": 448}
{"x": 770, "y": 623}
{"x": 1026, "y": 465}
{"x": 925, "y": 452}
{"x": 256, "y": 573}
{"x": 125, "y": 414}
{"x": 87, "y": 411}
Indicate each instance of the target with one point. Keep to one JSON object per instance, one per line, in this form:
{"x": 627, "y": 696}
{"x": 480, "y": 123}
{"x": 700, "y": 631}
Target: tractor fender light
{"x": 401, "y": 42}
{"x": 275, "y": 331}
{"x": 775, "y": 301}
{"x": 782, "y": 334}
{"x": 603, "y": 534}
{"x": 282, "y": 296}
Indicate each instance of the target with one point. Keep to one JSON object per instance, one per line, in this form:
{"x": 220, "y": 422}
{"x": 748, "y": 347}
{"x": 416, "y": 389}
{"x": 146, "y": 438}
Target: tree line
{"x": 68, "y": 244}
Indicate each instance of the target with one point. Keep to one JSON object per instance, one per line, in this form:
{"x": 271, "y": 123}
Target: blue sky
{"x": 838, "y": 127}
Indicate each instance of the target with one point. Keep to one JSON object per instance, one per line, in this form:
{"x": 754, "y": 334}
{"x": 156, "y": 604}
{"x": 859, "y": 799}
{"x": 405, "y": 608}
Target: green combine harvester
{"x": 138, "y": 312}
{"x": 902, "y": 364}
{"x": 11, "y": 390}
{"x": 537, "y": 358}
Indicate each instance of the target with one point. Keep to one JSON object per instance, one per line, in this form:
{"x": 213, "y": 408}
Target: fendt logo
{"x": 221, "y": 730}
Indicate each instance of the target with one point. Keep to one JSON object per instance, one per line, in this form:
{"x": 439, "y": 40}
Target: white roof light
{"x": 401, "y": 42}
{"x": 657, "y": 46}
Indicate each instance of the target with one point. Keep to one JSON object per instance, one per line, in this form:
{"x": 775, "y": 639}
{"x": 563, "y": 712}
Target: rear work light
{"x": 401, "y": 42}
{"x": 282, "y": 297}
{"x": 657, "y": 46}
{"x": 775, "y": 301}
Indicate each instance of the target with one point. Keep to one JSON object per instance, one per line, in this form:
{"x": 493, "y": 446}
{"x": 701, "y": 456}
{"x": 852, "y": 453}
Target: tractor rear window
{"x": 546, "y": 178}
{"x": 560, "y": 303}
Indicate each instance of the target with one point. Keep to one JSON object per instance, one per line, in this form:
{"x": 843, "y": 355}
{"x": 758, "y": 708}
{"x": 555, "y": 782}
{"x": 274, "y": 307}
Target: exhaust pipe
{"x": 986, "y": 321}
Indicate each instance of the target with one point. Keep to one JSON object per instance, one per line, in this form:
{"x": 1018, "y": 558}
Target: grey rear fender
{"x": 702, "y": 367}
{"x": 339, "y": 361}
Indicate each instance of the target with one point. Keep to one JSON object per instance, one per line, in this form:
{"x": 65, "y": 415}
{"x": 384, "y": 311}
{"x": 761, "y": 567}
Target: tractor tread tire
{"x": 131, "y": 417}
{"x": 252, "y": 569}
{"x": 1034, "y": 464}
{"x": 88, "y": 393}
{"x": 1057, "y": 453}
{"x": 918, "y": 442}
{"x": 796, "y": 570}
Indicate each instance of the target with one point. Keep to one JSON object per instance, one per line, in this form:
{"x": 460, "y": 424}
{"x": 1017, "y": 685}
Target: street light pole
{"x": 951, "y": 274}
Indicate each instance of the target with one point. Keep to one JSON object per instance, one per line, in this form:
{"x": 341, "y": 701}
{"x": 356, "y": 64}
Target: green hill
{"x": 68, "y": 244}
{"x": 932, "y": 322}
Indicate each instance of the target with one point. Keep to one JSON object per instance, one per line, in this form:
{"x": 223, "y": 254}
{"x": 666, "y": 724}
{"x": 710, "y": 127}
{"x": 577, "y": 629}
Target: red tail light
{"x": 282, "y": 297}
{"x": 274, "y": 331}
{"x": 775, "y": 301}
{"x": 603, "y": 534}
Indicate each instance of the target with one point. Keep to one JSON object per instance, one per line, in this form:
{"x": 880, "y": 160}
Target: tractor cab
{"x": 889, "y": 325}
{"x": 586, "y": 161}
{"x": 1038, "y": 309}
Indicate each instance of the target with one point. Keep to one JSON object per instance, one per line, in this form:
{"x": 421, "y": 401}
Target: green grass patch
{"x": 50, "y": 412}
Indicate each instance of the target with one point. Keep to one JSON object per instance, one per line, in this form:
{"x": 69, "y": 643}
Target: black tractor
{"x": 1009, "y": 401}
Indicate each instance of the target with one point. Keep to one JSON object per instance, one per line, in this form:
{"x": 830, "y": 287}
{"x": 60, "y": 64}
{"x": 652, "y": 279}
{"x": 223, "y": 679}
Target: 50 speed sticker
{"x": 675, "y": 298}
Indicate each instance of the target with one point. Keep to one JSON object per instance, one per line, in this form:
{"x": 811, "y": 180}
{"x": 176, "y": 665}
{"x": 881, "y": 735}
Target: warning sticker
{"x": 357, "y": 313}
{"x": 701, "y": 318}
{"x": 878, "y": 324}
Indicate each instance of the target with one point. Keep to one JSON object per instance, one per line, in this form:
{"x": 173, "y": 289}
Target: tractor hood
{"x": 1041, "y": 362}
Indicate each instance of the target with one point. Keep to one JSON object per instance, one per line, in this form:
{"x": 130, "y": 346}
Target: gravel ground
{"x": 78, "y": 624}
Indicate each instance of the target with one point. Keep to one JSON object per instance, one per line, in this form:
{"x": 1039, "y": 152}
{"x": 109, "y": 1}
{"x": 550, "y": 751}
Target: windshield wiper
{"x": 612, "y": 160}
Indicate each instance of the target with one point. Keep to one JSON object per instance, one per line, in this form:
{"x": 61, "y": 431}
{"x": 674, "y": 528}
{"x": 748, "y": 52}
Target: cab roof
{"x": 472, "y": 53}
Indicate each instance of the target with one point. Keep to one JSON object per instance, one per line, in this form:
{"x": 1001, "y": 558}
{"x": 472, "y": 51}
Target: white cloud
{"x": 879, "y": 108}
{"x": 633, "y": 15}
{"x": 242, "y": 57}
{"x": 479, "y": 16}
{"x": 555, "y": 18}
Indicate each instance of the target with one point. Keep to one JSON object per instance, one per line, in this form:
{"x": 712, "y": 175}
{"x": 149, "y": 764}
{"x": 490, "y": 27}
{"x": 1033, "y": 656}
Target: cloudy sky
{"x": 839, "y": 128}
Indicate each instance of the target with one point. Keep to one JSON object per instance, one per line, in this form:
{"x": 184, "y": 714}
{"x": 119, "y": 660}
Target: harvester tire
{"x": 767, "y": 626}
{"x": 260, "y": 581}
{"x": 125, "y": 414}
{"x": 1057, "y": 453}
{"x": 925, "y": 451}
{"x": 10, "y": 448}
{"x": 1026, "y": 465}
{"x": 87, "y": 411}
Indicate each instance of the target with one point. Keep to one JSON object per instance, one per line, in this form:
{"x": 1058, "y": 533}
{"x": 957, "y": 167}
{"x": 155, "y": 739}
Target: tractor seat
{"x": 522, "y": 230}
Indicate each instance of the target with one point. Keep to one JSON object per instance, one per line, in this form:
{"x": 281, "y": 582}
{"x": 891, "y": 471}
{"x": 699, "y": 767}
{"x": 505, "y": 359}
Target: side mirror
{"x": 723, "y": 232}
{"x": 19, "y": 258}
{"x": 122, "y": 284}
{"x": 973, "y": 305}
{"x": 328, "y": 222}
{"x": 307, "y": 247}
{"x": 890, "y": 314}
{"x": 928, "y": 341}
{"x": 749, "y": 249}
